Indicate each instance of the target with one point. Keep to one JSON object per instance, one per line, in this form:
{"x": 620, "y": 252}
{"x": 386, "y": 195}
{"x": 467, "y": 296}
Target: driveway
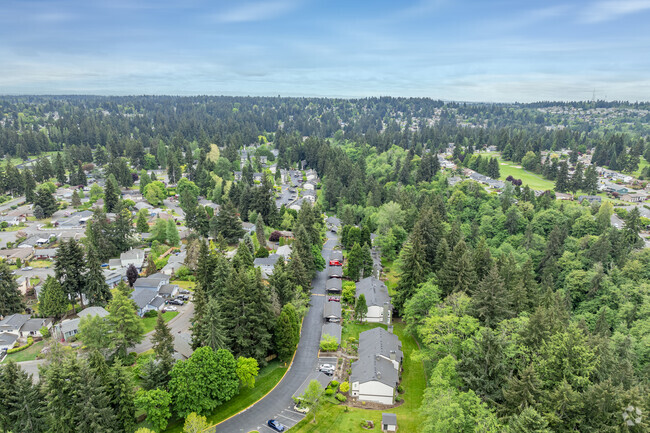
{"x": 180, "y": 329}
{"x": 31, "y": 367}
{"x": 278, "y": 404}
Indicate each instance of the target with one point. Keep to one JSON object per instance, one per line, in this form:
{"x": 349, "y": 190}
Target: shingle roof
{"x": 7, "y": 339}
{"x": 374, "y": 368}
{"x": 15, "y": 321}
{"x": 334, "y": 285}
{"x": 93, "y": 311}
{"x": 321, "y": 377}
{"x": 167, "y": 289}
{"x": 336, "y": 255}
{"x": 333, "y": 329}
{"x": 389, "y": 418}
{"x": 33, "y": 325}
{"x": 374, "y": 290}
{"x": 157, "y": 302}
{"x": 332, "y": 309}
{"x": 142, "y": 297}
{"x": 69, "y": 325}
{"x": 378, "y": 341}
{"x": 271, "y": 260}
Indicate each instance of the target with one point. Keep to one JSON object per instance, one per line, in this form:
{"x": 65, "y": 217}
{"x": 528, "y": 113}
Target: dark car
{"x": 176, "y": 302}
{"x": 184, "y": 292}
{"x": 275, "y": 425}
{"x": 183, "y": 297}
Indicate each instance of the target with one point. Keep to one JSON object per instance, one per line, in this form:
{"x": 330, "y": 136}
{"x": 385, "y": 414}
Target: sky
{"x": 463, "y": 50}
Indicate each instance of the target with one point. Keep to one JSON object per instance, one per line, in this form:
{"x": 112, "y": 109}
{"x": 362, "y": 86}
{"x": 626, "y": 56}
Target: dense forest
{"x": 532, "y": 314}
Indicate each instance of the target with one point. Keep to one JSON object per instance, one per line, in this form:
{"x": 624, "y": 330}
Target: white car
{"x": 170, "y": 308}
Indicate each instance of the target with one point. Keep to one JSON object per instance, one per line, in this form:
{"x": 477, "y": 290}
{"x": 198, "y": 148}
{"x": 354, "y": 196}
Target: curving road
{"x": 278, "y": 403}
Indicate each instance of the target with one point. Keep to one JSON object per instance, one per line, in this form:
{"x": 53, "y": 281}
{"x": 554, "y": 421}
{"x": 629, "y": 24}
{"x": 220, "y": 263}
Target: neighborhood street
{"x": 278, "y": 403}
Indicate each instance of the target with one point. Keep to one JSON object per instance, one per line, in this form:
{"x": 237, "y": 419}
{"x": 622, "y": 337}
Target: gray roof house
{"x": 332, "y": 311}
{"x": 92, "y": 311}
{"x": 13, "y": 323}
{"x": 336, "y": 255}
{"x": 377, "y": 300}
{"x": 67, "y": 329}
{"x": 334, "y": 272}
{"x": 266, "y": 264}
{"x": 32, "y": 328}
{"x": 133, "y": 257}
{"x": 284, "y": 251}
{"x": 334, "y": 285}
{"x": 7, "y": 340}
{"x": 333, "y": 329}
{"x": 152, "y": 282}
{"x": 168, "y": 290}
{"x": 375, "y": 374}
{"x": 143, "y": 297}
{"x": 388, "y": 422}
{"x": 321, "y": 377}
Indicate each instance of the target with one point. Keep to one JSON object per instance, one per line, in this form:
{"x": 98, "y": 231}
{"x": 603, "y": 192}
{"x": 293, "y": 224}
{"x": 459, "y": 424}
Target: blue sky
{"x": 525, "y": 50}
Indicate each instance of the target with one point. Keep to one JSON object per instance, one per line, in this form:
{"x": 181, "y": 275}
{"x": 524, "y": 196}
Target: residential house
{"x": 334, "y": 272}
{"x": 333, "y": 329}
{"x": 32, "y": 328}
{"x": 7, "y": 341}
{"x": 590, "y": 198}
{"x": 563, "y": 196}
{"x": 146, "y": 292}
{"x": 634, "y": 198}
{"x": 332, "y": 222}
{"x": 168, "y": 291}
{"x": 377, "y": 300}
{"x": 45, "y": 253}
{"x": 113, "y": 277}
{"x": 332, "y": 311}
{"x": 375, "y": 375}
{"x": 266, "y": 264}
{"x": 24, "y": 284}
{"x": 453, "y": 180}
{"x": 248, "y": 227}
{"x": 388, "y": 422}
{"x": 284, "y": 251}
{"x": 321, "y": 377}
{"x": 133, "y": 257}
{"x": 92, "y": 311}
{"x": 12, "y": 323}
{"x": 66, "y": 329}
{"x": 17, "y": 253}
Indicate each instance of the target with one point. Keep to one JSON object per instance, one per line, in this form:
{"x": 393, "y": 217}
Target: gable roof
{"x": 333, "y": 329}
{"x": 389, "y": 418}
{"x": 334, "y": 285}
{"x": 271, "y": 260}
{"x": 142, "y": 297}
{"x": 7, "y": 339}
{"x": 321, "y": 377}
{"x": 332, "y": 310}
{"x": 14, "y": 321}
{"x": 374, "y": 290}
{"x": 93, "y": 311}
{"x": 378, "y": 341}
{"x": 336, "y": 255}
{"x": 374, "y": 368}
{"x": 33, "y": 325}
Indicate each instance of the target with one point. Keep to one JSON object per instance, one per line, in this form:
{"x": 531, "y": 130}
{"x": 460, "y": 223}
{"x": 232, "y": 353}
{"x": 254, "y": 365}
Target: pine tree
{"x": 10, "y": 298}
{"x": 111, "y": 194}
{"x": 163, "y": 347}
{"x": 413, "y": 268}
{"x": 52, "y": 302}
{"x": 227, "y": 223}
{"x": 141, "y": 222}
{"x": 173, "y": 168}
{"x": 173, "y": 237}
{"x": 45, "y": 200}
{"x": 490, "y": 302}
{"x": 528, "y": 421}
{"x": 442, "y": 254}
{"x": 367, "y": 262}
{"x": 590, "y": 182}
{"x": 69, "y": 269}
{"x": 285, "y": 339}
{"x": 81, "y": 176}
{"x": 215, "y": 337}
{"x": 151, "y": 268}
{"x": 59, "y": 169}
{"x": 76, "y": 201}
{"x": 281, "y": 283}
{"x": 457, "y": 274}
{"x": 127, "y": 325}
{"x": 97, "y": 291}
{"x": 482, "y": 259}
{"x": 360, "y": 308}
{"x": 122, "y": 397}
{"x": 354, "y": 262}
{"x": 523, "y": 391}
{"x": 259, "y": 231}
{"x": 562, "y": 181}
{"x": 493, "y": 170}
{"x": 93, "y": 412}
{"x": 299, "y": 273}
{"x": 29, "y": 185}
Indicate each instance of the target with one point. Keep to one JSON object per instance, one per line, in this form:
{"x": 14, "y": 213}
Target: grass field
{"x": 352, "y": 329}
{"x": 334, "y": 418}
{"x": 28, "y": 354}
{"x": 150, "y": 322}
{"x": 268, "y": 377}
{"x": 187, "y": 285}
{"x": 508, "y": 168}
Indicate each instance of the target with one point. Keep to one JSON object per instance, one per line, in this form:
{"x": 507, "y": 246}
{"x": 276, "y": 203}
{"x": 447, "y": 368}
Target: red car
{"x": 335, "y": 263}
{"x": 334, "y": 300}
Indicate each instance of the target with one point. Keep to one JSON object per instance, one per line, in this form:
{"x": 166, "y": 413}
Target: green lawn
{"x": 334, "y": 418}
{"x": 390, "y": 270}
{"x": 28, "y": 354}
{"x": 352, "y": 328}
{"x": 187, "y": 285}
{"x": 150, "y": 322}
{"x": 508, "y": 168}
{"x": 40, "y": 263}
{"x": 268, "y": 377}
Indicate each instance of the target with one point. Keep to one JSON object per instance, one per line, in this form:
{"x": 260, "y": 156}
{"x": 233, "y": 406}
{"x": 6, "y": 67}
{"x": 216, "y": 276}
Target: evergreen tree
{"x": 127, "y": 326}
{"x": 490, "y": 301}
{"x": 281, "y": 283}
{"x": 76, "y": 201}
{"x": 38, "y": 212}
{"x": 259, "y": 231}
{"x": 227, "y": 224}
{"x": 10, "y": 298}
{"x": 52, "y": 301}
{"x": 493, "y": 170}
{"x": 29, "y": 186}
{"x": 562, "y": 181}
{"x": 285, "y": 338}
{"x": 360, "y": 308}
{"x": 69, "y": 270}
{"x": 159, "y": 231}
{"x": 81, "y": 176}
{"x": 355, "y": 262}
{"x": 141, "y": 222}
{"x": 528, "y": 421}
{"x": 97, "y": 291}
{"x": 173, "y": 168}
{"x": 590, "y": 182}
{"x": 173, "y": 237}
{"x": 457, "y": 273}
{"x": 163, "y": 347}
{"x": 59, "y": 169}
{"x": 122, "y": 397}
{"x": 215, "y": 337}
{"x": 25, "y": 405}
{"x": 132, "y": 274}
{"x": 111, "y": 194}
{"x": 367, "y": 262}
{"x": 45, "y": 200}
{"x": 523, "y": 391}
{"x": 413, "y": 268}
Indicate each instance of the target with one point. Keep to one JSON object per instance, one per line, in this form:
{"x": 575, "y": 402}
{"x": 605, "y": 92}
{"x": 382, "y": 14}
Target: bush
{"x": 345, "y": 386}
{"x": 398, "y": 399}
{"x": 328, "y": 344}
{"x": 151, "y": 313}
{"x": 275, "y": 236}
{"x": 340, "y": 397}
{"x": 30, "y": 341}
{"x": 349, "y": 292}
{"x": 45, "y": 332}
{"x": 400, "y": 389}
{"x": 130, "y": 358}
{"x": 333, "y": 384}
{"x": 329, "y": 392}
{"x": 262, "y": 253}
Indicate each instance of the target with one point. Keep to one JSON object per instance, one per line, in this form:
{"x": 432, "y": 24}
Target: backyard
{"x": 28, "y": 354}
{"x": 149, "y": 323}
{"x": 343, "y": 419}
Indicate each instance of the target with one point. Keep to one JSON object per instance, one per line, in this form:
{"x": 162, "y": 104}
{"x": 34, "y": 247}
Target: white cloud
{"x": 259, "y": 11}
{"x": 613, "y": 9}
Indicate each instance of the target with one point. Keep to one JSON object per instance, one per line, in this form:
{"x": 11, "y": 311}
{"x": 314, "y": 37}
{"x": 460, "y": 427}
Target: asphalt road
{"x": 278, "y": 403}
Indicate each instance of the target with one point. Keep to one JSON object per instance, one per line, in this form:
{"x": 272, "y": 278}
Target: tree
{"x": 204, "y": 381}
{"x": 96, "y": 333}
{"x": 227, "y": 224}
{"x": 38, "y": 212}
{"x": 493, "y": 169}
{"x": 259, "y": 231}
{"x": 10, "y": 298}
{"x": 528, "y": 421}
{"x": 247, "y": 370}
{"x": 29, "y": 185}
{"x": 69, "y": 269}
{"x": 111, "y": 194}
{"x": 156, "y": 404}
{"x": 212, "y": 323}
{"x": 172, "y": 233}
{"x": 354, "y": 265}
{"x": 45, "y": 200}
{"x": 141, "y": 222}
{"x": 132, "y": 274}
{"x": 97, "y": 291}
{"x": 163, "y": 344}
{"x": 195, "y": 423}
{"x": 286, "y": 338}
{"x": 159, "y": 231}
{"x": 457, "y": 273}
{"x": 173, "y": 168}
{"x": 562, "y": 181}
{"x": 490, "y": 302}
{"x": 127, "y": 326}
{"x": 22, "y": 404}
{"x": 59, "y": 169}
{"x": 360, "y": 308}
{"x": 413, "y": 268}
{"x": 311, "y": 397}
{"x": 122, "y": 396}
{"x": 76, "y": 201}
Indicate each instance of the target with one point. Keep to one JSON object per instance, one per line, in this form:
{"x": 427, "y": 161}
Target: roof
{"x": 284, "y": 250}
{"x": 334, "y": 285}
{"x": 33, "y": 325}
{"x": 333, "y": 220}
{"x": 15, "y": 321}
{"x": 374, "y": 368}
{"x": 69, "y": 325}
{"x": 389, "y": 418}
{"x": 167, "y": 289}
{"x": 48, "y": 252}
{"x": 142, "y": 297}
{"x": 336, "y": 255}
{"x": 271, "y": 260}
{"x": 332, "y": 309}
{"x": 374, "y": 290}
{"x": 333, "y": 329}
{"x": 335, "y": 271}
{"x": 157, "y": 302}
{"x": 7, "y": 339}
{"x": 321, "y": 377}
{"x": 93, "y": 311}
{"x": 378, "y": 341}
{"x": 134, "y": 254}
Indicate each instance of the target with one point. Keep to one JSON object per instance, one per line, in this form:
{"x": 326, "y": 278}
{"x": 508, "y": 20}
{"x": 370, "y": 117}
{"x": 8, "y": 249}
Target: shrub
{"x": 333, "y": 384}
{"x": 275, "y": 236}
{"x": 340, "y": 397}
{"x": 345, "y": 386}
{"x": 400, "y": 389}
{"x": 398, "y": 399}
{"x": 45, "y": 332}
{"x": 329, "y": 392}
{"x": 328, "y": 344}
{"x": 151, "y": 313}
{"x": 262, "y": 253}
{"x": 130, "y": 358}
{"x": 30, "y": 341}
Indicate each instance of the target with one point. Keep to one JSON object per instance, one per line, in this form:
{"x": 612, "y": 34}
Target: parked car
{"x": 334, "y": 300}
{"x": 301, "y": 409}
{"x": 169, "y": 309}
{"x": 328, "y": 369}
{"x": 335, "y": 263}
{"x": 184, "y": 292}
{"x": 176, "y": 302}
{"x": 27, "y": 268}
{"x": 275, "y": 425}
{"x": 183, "y": 297}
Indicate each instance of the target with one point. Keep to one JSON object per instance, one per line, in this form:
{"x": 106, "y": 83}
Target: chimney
{"x": 378, "y": 374}
{"x": 390, "y": 329}
{"x": 393, "y": 356}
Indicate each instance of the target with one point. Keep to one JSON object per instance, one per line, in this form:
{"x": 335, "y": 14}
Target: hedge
{"x": 30, "y": 341}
